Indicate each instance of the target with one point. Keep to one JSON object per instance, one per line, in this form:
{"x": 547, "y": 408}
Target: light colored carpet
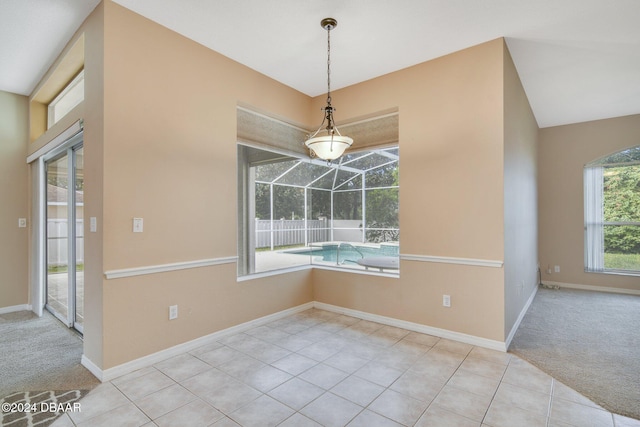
{"x": 587, "y": 340}
{"x": 40, "y": 354}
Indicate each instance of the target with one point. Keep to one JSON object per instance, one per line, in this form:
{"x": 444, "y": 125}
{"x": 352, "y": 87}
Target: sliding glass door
{"x": 78, "y": 249}
{"x": 65, "y": 236}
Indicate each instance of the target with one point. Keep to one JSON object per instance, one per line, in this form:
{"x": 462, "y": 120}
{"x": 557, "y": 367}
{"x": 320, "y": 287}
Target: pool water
{"x": 343, "y": 253}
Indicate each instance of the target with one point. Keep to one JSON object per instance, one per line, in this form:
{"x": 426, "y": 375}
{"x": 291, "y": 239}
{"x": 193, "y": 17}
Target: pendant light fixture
{"x": 327, "y": 143}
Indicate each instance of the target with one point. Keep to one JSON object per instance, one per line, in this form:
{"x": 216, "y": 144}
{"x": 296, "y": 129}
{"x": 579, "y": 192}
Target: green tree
{"x": 622, "y": 204}
{"x": 382, "y": 204}
{"x": 287, "y": 202}
{"x": 319, "y": 204}
{"x": 263, "y": 201}
{"x": 381, "y": 184}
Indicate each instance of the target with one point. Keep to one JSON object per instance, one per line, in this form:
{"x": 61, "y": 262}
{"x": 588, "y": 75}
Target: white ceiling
{"x": 579, "y": 60}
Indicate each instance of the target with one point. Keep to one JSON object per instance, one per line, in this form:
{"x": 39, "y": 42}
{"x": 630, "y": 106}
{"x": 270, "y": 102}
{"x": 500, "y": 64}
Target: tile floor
{"x": 318, "y": 368}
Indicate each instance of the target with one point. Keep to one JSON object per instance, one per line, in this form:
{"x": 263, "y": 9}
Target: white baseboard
{"x": 14, "y": 308}
{"x": 92, "y": 367}
{"x": 524, "y": 310}
{"x": 416, "y": 327}
{"x": 594, "y": 288}
{"x": 152, "y": 359}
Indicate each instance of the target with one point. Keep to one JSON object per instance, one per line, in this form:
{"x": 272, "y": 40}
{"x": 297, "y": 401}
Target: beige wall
{"x": 14, "y": 199}
{"x": 520, "y": 197}
{"x": 563, "y": 152}
{"x": 170, "y": 157}
{"x": 66, "y": 68}
{"x": 90, "y": 37}
{"x": 450, "y": 132}
{"x": 451, "y": 197}
{"x": 93, "y": 114}
{"x": 160, "y": 143}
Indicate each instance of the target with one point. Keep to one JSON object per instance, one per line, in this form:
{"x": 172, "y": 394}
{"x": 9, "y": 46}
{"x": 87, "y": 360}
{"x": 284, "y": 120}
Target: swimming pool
{"x": 343, "y": 253}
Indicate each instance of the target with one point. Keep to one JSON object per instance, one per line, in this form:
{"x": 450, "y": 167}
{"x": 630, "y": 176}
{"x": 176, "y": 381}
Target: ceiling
{"x": 578, "y": 60}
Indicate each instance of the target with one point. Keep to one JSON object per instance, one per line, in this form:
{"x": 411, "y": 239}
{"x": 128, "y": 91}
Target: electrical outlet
{"x": 556, "y": 269}
{"x": 22, "y": 222}
{"x": 173, "y": 312}
{"x": 446, "y": 300}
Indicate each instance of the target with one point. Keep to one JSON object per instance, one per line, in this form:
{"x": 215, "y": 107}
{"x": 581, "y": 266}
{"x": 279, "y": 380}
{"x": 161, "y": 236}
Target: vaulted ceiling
{"x": 578, "y": 60}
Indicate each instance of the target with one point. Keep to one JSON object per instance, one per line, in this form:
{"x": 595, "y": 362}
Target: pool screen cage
{"x": 299, "y": 202}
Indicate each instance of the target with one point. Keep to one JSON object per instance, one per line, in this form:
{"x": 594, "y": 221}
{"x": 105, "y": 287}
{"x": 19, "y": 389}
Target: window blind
{"x": 594, "y": 218}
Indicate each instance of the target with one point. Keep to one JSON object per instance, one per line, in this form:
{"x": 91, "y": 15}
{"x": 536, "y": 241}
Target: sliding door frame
{"x": 68, "y": 148}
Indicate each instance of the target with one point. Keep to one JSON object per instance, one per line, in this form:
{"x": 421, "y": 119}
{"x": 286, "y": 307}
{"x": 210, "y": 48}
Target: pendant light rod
{"x": 331, "y": 145}
{"x": 328, "y": 24}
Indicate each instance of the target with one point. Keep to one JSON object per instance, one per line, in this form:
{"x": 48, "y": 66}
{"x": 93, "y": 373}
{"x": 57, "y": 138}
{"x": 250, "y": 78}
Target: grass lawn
{"x": 62, "y": 268}
{"x": 622, "y": 261}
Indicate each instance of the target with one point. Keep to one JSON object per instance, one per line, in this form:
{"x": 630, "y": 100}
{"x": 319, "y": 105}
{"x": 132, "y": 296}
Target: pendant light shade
{"x": 329, "y": 147}
{"x": 327, "y": 143}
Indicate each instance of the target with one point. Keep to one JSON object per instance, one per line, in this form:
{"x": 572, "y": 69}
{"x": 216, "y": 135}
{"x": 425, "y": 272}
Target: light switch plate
{"x": 446, "y": 300}
{"x": 137, "y": 225}
{"x": 173, "y": 312}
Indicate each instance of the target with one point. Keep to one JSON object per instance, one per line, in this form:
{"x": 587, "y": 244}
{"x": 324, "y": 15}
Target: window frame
{"x": 594, "y": 218}
{"x": 247, "y": 230}
{"x": 52, "y": 116}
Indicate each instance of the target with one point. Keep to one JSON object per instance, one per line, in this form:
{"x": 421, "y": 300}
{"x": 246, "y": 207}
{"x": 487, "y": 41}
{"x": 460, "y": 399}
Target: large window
{"x": 297, "y": 211}
{"x": 612, "y": 213}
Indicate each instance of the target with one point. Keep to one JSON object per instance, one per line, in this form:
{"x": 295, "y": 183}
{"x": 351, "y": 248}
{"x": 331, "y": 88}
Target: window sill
{"x": 269, "y": 273}
{"x": 260, "y": 275}
{"x": 616, "y": 272}
{"x": 394, "y": 275}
